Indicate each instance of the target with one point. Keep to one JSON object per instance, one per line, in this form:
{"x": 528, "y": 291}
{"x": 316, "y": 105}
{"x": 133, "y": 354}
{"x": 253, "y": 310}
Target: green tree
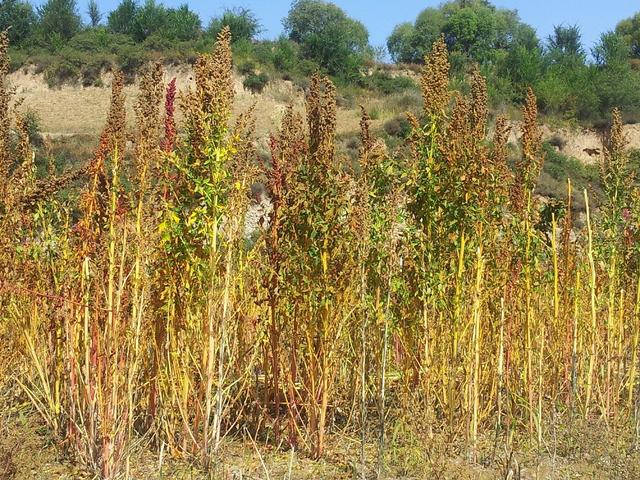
{"x": 20, "y": 16}
{"x": 183, "y": 24}
{"x": 123, "y": 18}
{"x": 629, "y": 30}
{"x": 328, "y": 36}
{"x": 151, "y": 18}
{"x": 565, "y": 44}
{"x": 523, "y": 62}
{"x": 401, "y": 44}
{"x": 615, "y": 81}
{"x": 242, "y": 22}
{"x": 59, "y": 20}
{"x": 566, "y": 87}
{"x": 93, "y": 11}
{"x": 474, "y": 30}
{"x": 612, "y": 51}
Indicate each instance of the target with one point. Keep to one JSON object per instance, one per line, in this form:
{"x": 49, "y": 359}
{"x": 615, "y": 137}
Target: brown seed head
{"x": 321, "y": 118}
{"x": 5, "y": 154}
{"x": 116, "y": 118}
{"x": 500, "y": 139}
{"x": 366, "y": 140}
{"x": 147, "y": 108}
{"x": 616, "y": 143}
{"x": 170, "y": 132}
{"x": 435, "y": 79}
{"x": 208, "y": 108}
{"x": 147, "y": 111}
{"x": 529, "y": 166}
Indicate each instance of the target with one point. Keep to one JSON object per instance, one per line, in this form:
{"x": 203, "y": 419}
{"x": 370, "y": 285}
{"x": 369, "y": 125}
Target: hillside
{"x": 73, "y": 110}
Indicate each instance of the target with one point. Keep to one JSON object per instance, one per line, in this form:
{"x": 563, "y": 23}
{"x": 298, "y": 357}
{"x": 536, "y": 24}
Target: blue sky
{"x": 593, "y": 16}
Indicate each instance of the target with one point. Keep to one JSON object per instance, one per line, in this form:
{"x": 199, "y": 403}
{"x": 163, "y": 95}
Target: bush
{"x": 62, "y": 72}
{"x": 246, "y": 68}
{"x": 398, "y": 127}
{"x": 157, "y": 43}
{"x": 91, "y": 73}
{"x": 285, "y": 55}
{"x": 346, "y": 99}
{"x": 262, "y": 52}
{"x": 17, "y": 59}
{"x": 558, "y": 168}
{"x": 256, "y": 82}
{"x": 130, "y": 59}
{"x": 241, "y": 21}
{"x": 98, "y": 40}
{"x": 33, "y": 127}
{"x": 384, "y": 83}
{"x": 407, "y": 101}
{"x": 557, "y": 141}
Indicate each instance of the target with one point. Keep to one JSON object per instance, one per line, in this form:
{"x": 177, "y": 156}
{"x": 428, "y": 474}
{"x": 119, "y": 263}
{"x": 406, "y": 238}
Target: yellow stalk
{"x": 594, "y": 326}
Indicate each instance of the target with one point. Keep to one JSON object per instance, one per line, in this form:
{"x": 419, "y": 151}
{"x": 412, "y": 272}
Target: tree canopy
{"x": 59, "y": 20}
{"x": 328, "y": 36}
{"x": 629, "y": 30}
{"x": 242, "y": 22}
{"x": 20, "y": 16}
{"x": 473, "y": 29}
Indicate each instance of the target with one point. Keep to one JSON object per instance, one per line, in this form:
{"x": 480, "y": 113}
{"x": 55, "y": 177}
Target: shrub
{"x": 241, "y": 21}
{"x": 91, "y": 73}
{"x": 246, "y": 68}
{"x": 406, "y": 101}
{"x": 285, "y": 55}
{"x": 262, "y": 52}
{"x": 384, "y": 83}
{"x": 32, "y": 121}
{"x": 62, "y": 72}
{"x": 398, "y": 127}
{"x": 347, "y": 100}
{"x": 98, "y": 40}
{"x": 17, "y": 59}
{"x": 256, "y": 82}
{"x": 557, "y": 141}
{"x": 130, "y": 59}
{"x": 558, "y": 168}
{"x": 158, "y": 43}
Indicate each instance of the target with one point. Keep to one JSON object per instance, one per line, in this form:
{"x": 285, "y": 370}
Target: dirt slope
{"x": 75, "y": 110}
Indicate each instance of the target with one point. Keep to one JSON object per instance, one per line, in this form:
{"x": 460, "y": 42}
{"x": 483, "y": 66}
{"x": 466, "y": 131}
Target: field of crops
{"x": 421, "y": 293}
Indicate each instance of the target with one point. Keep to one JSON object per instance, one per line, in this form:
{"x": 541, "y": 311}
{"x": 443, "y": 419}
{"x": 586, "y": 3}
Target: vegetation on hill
{"x": 571, "y": 82}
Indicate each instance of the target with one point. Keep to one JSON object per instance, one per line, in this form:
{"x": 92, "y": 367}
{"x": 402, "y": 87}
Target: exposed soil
{"x": 28, "y": 452}
{"x": 74, "y": 110}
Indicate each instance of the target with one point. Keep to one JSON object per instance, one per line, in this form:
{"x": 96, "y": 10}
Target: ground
{"x": 28, "y": 452}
